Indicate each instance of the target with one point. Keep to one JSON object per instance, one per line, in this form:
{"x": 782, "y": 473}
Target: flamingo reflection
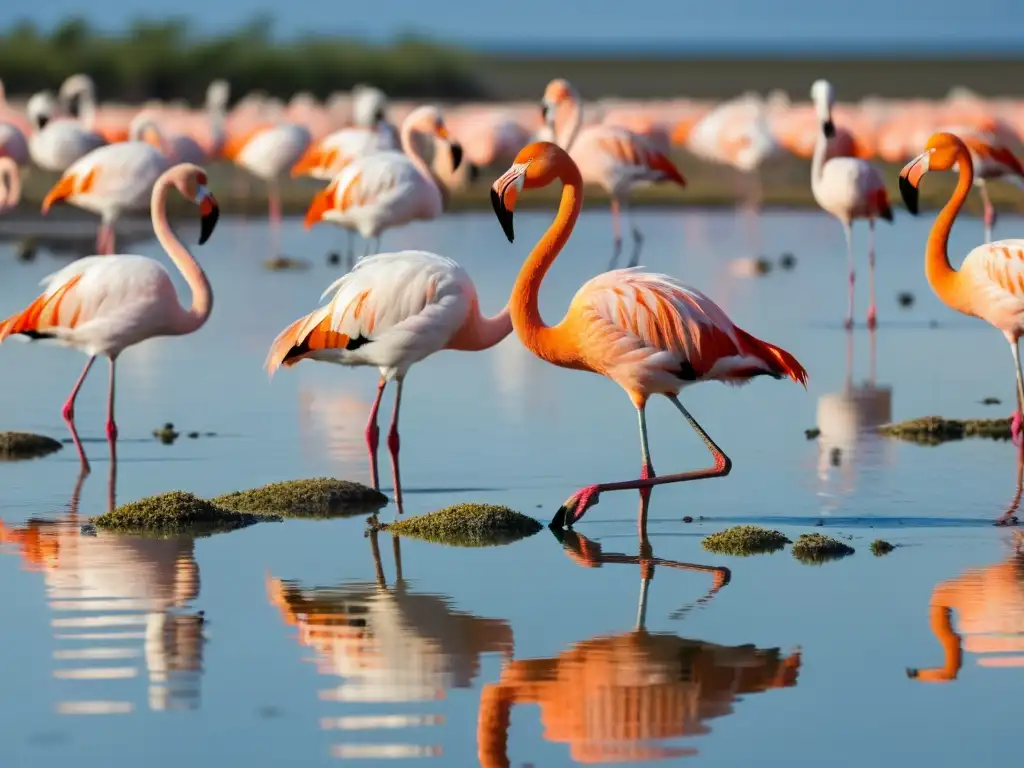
{"x": 619, "y": 697}
{"x": 121, "y": 611}
{"x": 388, "y": 645}
{"x": 989, "y": 603}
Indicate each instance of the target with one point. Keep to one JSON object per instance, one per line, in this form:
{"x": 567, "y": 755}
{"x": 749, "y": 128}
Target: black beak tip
{"x": 911, "y": 673}
{"x": 456, "y": 155}
{"x": 830, "y": 129}
{"x": 558, "y": 521}
{"x": 207, "y": 224}
{"x": 504, "y": 215}
{"x": 909, "y": 194}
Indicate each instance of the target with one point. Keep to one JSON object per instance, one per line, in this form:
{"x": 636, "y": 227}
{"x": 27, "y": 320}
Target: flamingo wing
{"x": 330, "y": 155}
{"x": 996, "y": 274}
{"x": 123, "y": 173}
{"x": 99, "y": 303}
{"x": 635, "y": 319}
{"x": 391, "y": 310}
{"x": 624, "y": 157}
{"x": 992, "y": 158}
{"x": 385, "y": 185}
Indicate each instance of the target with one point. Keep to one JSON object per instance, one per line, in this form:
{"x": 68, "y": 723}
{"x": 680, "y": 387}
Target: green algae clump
{"x": 317, "y": 497}
{"x": 744, "y": 540}
{"x": 174, "y": 512}
{"x": 25, "y": 445}
{"x": 816, "y": 548}
{"x": 881, "y": 547}
{"x": 467, "y": 525}
{"x": 934, "y": 430}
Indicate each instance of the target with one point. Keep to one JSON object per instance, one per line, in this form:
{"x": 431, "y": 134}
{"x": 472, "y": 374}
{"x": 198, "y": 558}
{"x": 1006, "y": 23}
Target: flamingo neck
{"x": 138, "y": 133}
{"x": 195, "y": 316}
{"x": 943, "y": 279}
{"x": 548, "y": 343}
{"x": 818, "y": 159}
{"x": 571, "y": 125}
{"x": 413, "y": 151}
{"x": 479, "y": 332}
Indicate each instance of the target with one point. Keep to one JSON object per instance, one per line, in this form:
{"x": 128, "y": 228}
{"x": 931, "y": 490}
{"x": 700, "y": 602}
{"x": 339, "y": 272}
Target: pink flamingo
{"x": 102, "y": 305}
{"x": 608, "y": 155}
{"x": 10, "y": 184}
{"x": 391, "y": 311}
{"x": 849, "y": 188}
{"x": 991, "y": 159}
{"x": 649, "y": 333}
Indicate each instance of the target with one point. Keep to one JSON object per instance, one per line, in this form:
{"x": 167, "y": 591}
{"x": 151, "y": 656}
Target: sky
{"x": 699, "y": 25}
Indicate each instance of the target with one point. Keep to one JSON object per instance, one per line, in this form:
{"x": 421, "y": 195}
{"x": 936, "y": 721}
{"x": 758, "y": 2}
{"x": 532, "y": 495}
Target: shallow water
{"x": 124, "y": 651}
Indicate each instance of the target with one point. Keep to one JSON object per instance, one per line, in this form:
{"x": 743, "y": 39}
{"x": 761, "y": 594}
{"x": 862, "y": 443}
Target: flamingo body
{"x": 850, "y": 189}
{"x": 325, "y": 159}
{"x": 271, "y": 152}
{"x": 61, "y": 143}
{"x": 13, "y": 144}
{"x": 993, "y": 280}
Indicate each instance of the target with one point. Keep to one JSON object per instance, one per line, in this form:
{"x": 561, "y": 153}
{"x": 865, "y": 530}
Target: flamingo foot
{"x": 575, "y": 507}
{"x": 1015, "y": 427}
{"x": 872, "y": 318}
{"x": 111, "y": 431}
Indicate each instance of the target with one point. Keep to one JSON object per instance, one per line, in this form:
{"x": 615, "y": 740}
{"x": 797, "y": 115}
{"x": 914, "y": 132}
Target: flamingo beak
{"x": 209, "y": 212}
{"x": 829, "y": 128}
{"x": 322, "y": 202}
{"x": 910, "y": 179}
{"x": 62, "y": 190}
{"x": 504, "y": 194}
{"x": 456, "y": 149}
{"x": 309, "y": 161}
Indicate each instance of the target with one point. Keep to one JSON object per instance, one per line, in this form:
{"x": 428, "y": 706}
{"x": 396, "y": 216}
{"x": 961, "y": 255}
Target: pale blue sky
{"x": 682, "y": 24}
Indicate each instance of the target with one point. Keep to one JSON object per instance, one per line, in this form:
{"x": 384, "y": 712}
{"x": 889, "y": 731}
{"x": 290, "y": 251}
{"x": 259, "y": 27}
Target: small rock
{"x": 816, "y": 548}
{"x": 26, "y": 445}
{"x": 933, "y": 323}
{"x": 933, "y": 430}
{"x": 687, "y": 519}
{"x": 905, "y": 299}
{"x": 88, "y": 529}
{"x": 836, "y": 457}
{"x": 166, "y": 434}
{"x": 279, "y": 263}
{"x": 466, "y": 525}
{"x": 744, "y": 540}
{"x": 27, "y": 249}
{"x": 316, "y": 497}
{"x": 170, "y": 513}
{"x": 193, "y": 435}
{"x": 880, "y": 547}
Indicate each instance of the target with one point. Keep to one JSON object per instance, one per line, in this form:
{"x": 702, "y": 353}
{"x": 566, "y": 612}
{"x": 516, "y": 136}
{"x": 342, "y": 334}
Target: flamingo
{"x": 647, "y": 332}
{"x": 991, "y": 159}
{"x": 384, "y": 190}
{"x": 102, "y": 305}
{"x": 989, "y": 283}
{"x": 13, "y": 141}
{"x": 176, "y": 147}
{"x": 108, "y": 181}
{"x": 10, "y": 184}
{"x": 56, "y": 143}
{"x": 391, "y": 311}
{"x": 77, "y": 97}
{"x": 849, "y": 188}
{"x": 610, "y": 156}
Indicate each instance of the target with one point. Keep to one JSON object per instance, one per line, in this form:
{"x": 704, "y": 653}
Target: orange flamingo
{"x": 990, "y": 282}
{"x": 992, "y": 159}
{"x": 649, "y": 333}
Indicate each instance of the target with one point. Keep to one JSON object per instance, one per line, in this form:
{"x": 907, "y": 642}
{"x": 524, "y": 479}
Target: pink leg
{"x": 373, "y": 434}
{"x": 990, "y": 213}
{"x": 576, "y": 505}
{"x": 393, "y": 446}
{"x": 274, "y": 202}
{"x": 849, "y": 260}
{"x": 101, "y": 239}
{"x": 616, "y": 233}
{"x": 111, "y": 426}
{"x": 1018, "y": 418}
{"x": 872, "y": 307}
{"x": 68, "y": 412}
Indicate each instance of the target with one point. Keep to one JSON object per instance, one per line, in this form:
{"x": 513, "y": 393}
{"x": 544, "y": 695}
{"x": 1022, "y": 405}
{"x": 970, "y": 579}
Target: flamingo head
{"x": 536, "y": 165}
{"x": 191, "y": 181}
{"x": 429, "y": 120}
{"x": 824, "y": 98}
{"x": 941, "y": 153}
{"x": 559, "y": 91}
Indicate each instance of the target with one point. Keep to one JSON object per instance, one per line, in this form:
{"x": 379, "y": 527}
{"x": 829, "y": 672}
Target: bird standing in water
{"x": 647, "y": 332}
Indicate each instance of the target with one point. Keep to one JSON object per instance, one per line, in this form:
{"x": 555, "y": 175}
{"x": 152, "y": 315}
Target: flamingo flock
{"x": 652, "y": 334}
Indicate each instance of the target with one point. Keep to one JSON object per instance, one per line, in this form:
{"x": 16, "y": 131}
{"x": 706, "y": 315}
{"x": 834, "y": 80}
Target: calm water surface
{"x": 303, "y": 643}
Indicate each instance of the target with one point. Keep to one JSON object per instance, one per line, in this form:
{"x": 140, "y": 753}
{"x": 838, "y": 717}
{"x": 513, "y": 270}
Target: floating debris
{"x": 990, "y": 401}
{"x": 747, "y": 267}
{"x": 279, "y": 263}
{"x": 26, "y": 445}
{"x": 817, "y": 548}
{"x": 905, "y": 299}
{"x": 26, "y": 249}
{"x": 466, "y": 525}
{"x": 743, "y": 540}
{"x": 881, "y": 547}
{"x": 316, "y": 497}
{"x": 687, "y": 519}
{"x": 166, "y": 434}
{"x": 193, "y": 435}
{"x": 933, "y": 430}
{"x": 787, "y": 261}
{"x": 171, "y": 513}
{"x": 812, "y": 433}
{"x": 333, "y": 259}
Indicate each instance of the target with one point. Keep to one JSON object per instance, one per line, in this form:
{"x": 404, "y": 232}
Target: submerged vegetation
{"x": 171, "y": 513}
{"x": 933, "y": 430}
{"x": 743, "y": 540}
{"x": 316, "y": 497}
{"x": 816, "y": 548}
{"x": 880, "y": 547}
{"x": 26, "y": 445}
{"x": 466, "y": 525}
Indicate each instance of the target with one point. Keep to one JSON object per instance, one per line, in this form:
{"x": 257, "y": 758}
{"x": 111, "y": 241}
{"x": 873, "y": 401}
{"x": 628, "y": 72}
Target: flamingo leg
{"x": 576, "y": 505}
{"x": 393, "y": 446}
{"x": 111, "y": 425}
{"x": 849, "y": 260}
{"x": 990, "y": 212}
{"x": 872, "y": 307}
{"x": 69, "y": 413}
{"x": 1018, "y": 415}
{"x": 616, "y": 233}
{"x": 373, "y": 434}
{"x": 274, "y": 211}
{"x": 638, "y": 239}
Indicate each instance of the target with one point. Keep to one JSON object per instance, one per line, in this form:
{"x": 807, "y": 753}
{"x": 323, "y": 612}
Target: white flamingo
{"x": 56, "y": 142}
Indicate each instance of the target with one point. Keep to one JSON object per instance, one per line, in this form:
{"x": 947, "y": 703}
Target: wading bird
{"x": 102, "y": 305}
{"x": 612, "y": 157}
{"x": 849, "y": 188}
{"x": 649, "y": 333}
{"x": 990, "y": 282}
{"x": 992, "y": 160}
{"x": 391, "y": 311}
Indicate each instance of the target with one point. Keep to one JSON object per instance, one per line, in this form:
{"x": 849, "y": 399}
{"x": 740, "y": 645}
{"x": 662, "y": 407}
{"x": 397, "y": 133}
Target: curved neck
{"x": 567, "y": 135}
{"x": 10, "y": 183}
{"x": 818, "y": 159}
{"x": 216, "y": 113}
{"x": 479, "y": 332}
{"x": 202, "y": 297}
{"x": 943, "y": 279}
{"x": 413, "y": 151}
{"x": 87, "y": 109}
{"x": 545, "y": 342}
{"x": 138, "y": 133}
